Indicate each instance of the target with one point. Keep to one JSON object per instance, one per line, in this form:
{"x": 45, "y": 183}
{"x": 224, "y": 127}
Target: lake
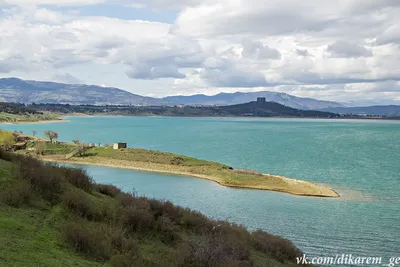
{"x": 358, "y": 158}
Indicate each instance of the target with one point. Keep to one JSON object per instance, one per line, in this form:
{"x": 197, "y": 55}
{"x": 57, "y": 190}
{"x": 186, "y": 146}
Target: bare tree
{"x": 51, "y": 135}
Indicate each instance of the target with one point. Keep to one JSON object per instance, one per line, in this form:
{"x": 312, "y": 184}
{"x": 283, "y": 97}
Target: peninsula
{"x": 163, "y": 162}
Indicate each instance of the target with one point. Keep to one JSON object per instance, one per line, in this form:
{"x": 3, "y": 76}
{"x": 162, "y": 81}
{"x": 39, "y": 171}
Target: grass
{"x": 6, "y": 137}
{"x": 164, "y": 162}
{"x": 85, "y": 224}
{"x": 56, "y": 149}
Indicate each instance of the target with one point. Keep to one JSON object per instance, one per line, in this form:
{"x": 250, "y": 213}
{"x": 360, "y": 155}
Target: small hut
{"x": 117, "y": 146}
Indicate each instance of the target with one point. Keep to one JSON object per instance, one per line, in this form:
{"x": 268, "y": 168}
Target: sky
{"x": 343, "y": 50}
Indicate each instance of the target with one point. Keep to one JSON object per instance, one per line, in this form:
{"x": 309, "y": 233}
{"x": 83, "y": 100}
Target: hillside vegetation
{"x": 12, "y": 112}
{"x": 57, "y": 216}
{"x": 251, "y": 109}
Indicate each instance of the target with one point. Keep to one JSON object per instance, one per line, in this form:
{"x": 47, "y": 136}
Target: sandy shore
{"x": 291, "y": 186}
{"x": 35, "y": 122}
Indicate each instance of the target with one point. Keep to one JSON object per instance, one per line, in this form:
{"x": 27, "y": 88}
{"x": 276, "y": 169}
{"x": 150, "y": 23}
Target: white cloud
{"x": 343, "y": 47}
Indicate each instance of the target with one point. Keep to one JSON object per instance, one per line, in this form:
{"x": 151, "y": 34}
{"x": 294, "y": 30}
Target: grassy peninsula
{"x": 155, "y": 161}
{"x": 57, "y": 216}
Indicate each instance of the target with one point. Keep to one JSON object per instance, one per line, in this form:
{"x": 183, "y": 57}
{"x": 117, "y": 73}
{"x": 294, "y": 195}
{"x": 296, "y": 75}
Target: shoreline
{"x": 249, "y": 117}
{"x": 34, "y": 122}
{"x": 321, "y": 191}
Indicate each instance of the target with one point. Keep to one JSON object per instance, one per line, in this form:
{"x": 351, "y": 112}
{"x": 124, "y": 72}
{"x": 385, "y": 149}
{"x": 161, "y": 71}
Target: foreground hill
{"x": 390, "y": 110}
{"x": 57, "y": 216}
{"x": 21, "y": 91}
{"x": 240, "y": 98}
{"x": 252, "y": 109}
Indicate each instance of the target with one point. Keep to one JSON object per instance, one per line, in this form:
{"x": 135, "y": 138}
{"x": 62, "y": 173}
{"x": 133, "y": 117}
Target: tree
{"x": 34, "y": 133}
{"x": 51, "y": 135}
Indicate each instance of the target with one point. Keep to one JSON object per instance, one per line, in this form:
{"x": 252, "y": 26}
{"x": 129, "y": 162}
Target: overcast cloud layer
{"x": 344, "y": 50}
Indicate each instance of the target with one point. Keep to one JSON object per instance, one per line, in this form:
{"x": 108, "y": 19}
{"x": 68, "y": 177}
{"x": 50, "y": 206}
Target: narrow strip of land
{"x": 155, "y": 161}
{"x": 161, "y": 162}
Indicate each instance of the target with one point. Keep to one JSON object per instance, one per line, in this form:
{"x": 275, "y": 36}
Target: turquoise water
{"x": 360, "y": 159}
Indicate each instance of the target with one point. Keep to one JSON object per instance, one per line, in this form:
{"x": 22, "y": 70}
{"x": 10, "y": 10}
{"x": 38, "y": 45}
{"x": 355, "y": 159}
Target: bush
{"x": 167, "y": 228}
{"x": 214, "y": 250}
{"x": 47, "y": 179}
{"x": 108, "y": 190}
{"x": 79, "y": 178}
{"x": 275, "y": 246}
{"x": 138, "y": 218}
{"x": 195, "y": 221}
{"x": 126, "y": 199}
{"x": 19, "y": 194}
{"x": 80, "y": 204}
{"x": 88, "y": 239}
{"x": 4, "y": 155}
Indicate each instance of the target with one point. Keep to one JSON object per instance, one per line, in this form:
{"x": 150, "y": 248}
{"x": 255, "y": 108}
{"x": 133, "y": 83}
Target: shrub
{"x": 214, "y": 250}
{"x": 79, "y": 178}
{"x": 167, "y": 228}
{"x": 47, "y": 179}
{"x": 175, "y": 213}
{"x": 195, "y": 221}
{"x": 108, "y": 190}
{"x": 275, "y": 246}
{"x": 137, "y": 219}
{"x": 87, "y": 238}
{"x": 4, "y": 155}
{"x": 122, "y": 242}
{"x": 80, "y": 204}
{"x": 17, "y": 195}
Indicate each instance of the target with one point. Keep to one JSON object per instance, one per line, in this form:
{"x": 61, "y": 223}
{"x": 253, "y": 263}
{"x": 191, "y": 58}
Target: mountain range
{"x": 239, "y": 98}
{"x": 25, "y": 91}
{"x": 21, "y": 91}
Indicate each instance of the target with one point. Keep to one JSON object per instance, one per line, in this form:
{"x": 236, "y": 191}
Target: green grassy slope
{"x": 29, "y": 236}
{"x": 55, "y": 216}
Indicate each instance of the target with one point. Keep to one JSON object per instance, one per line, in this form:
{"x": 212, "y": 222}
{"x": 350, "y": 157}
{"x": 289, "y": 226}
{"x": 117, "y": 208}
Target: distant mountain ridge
{"x": 25, "y": 91}
{"x": 21, "y": 91}
{"x": 240, "y": 98}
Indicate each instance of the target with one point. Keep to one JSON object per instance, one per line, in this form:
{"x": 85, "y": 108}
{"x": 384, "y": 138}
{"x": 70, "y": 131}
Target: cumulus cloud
{"x": 212, "y": 46}
{"x": 145, "y": 72}
{"x": 348, "y": 50}
{"x": 257, "y": 50}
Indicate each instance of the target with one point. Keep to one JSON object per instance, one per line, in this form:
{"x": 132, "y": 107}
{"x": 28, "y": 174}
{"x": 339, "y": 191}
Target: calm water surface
{"x": 360, "y": 159}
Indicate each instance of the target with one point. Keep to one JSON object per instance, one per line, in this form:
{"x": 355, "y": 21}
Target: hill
{"x": 240, "y": 98}
{"x": 21, "y": 91}
{"x": 389, "y": 111}
{"x": 57, "y": 216}
{"x": 252, "y": 109}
